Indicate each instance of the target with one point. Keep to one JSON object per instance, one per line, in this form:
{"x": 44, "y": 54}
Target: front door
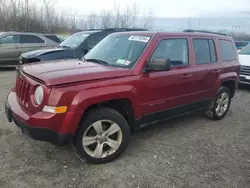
{"x": 167, "y": 93}
{"x": 10, "y": 50}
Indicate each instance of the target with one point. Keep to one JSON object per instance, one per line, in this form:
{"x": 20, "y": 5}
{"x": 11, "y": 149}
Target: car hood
{"x": 35, "y": 53}
{"x": 71, "y": 71}
{"x": 244, "y": 59}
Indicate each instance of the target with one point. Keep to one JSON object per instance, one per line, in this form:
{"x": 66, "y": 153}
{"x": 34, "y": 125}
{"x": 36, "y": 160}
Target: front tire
{"x": 220, "y": 104}
{"x": 102, "y": 137}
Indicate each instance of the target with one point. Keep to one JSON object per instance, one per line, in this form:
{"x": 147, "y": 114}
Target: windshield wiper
{"x": 98, "y": 61}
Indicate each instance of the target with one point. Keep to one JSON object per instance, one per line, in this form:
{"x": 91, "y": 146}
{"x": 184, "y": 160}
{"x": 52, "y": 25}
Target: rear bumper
{"x": 42, "y": 126}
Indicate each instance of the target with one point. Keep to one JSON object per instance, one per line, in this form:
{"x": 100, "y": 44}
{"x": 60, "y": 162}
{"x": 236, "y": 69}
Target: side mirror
{"x": 158, "y": 64}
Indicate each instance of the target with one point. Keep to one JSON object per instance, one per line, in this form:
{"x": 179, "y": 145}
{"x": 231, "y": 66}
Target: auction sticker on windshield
{"x": 123, "y": 62}
{"x": 139, "y": 38}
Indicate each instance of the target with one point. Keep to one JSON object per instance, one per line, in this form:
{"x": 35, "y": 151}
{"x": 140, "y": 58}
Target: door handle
{"x": 216, "y": 71}
{"x": 186, "y": 76}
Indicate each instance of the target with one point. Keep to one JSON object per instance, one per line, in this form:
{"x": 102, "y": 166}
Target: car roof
{"x": 88, "y": 32}
{"x": 180, "y": 34}
{"x": 28, "y": 33}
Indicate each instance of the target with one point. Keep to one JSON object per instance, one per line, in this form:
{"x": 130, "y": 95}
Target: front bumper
{"x": 41, "y": 128}
{"x": 244, "y": 79}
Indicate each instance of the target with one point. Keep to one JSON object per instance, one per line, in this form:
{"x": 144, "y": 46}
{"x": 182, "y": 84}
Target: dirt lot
{"x": 186, "y": 152}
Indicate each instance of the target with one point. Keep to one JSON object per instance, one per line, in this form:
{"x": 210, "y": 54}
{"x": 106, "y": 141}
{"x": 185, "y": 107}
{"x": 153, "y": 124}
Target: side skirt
{"x": 172, "y": 113}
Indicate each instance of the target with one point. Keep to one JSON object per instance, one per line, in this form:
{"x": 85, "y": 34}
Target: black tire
{"x": 211, "y": 112}
{"x": 92, "y": 117}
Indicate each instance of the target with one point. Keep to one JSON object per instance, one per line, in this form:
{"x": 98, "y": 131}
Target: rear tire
{"x": 102, "y": 137}
{"x": 220, "y": 105}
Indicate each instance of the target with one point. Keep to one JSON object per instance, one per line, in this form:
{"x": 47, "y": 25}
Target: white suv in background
{"x": 244, "y": 57}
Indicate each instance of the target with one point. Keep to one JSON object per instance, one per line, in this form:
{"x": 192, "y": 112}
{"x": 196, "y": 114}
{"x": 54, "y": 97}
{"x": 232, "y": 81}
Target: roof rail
{"x": 124, "y": 29}
{"x": 202, "y": 31}
{"x": 92, "y": 30}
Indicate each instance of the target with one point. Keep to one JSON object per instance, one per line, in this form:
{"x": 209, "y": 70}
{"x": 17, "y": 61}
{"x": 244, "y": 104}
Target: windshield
{"x": 74, "y": 40}
{"x": 119, "y": 50}
{"x": 240, "y": 45}
{"x": 245, "y": 50}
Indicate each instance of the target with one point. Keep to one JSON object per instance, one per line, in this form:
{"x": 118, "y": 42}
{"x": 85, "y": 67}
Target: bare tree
{"x": 92, "y": 21}
{"x": 148, "y": 19}
{"x": 28, "y": 15}
{"x": 106, "y": 19}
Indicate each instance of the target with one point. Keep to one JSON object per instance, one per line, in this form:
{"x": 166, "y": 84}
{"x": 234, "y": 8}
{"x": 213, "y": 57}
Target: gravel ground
{"x": 187, "y": 152}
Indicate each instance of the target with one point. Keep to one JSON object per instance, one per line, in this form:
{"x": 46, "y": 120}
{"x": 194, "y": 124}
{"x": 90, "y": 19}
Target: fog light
{"x": 55, "y": 110}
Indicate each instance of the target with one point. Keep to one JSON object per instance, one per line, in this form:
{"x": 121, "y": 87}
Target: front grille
{"x": 245, "y": 70}
{"x": 22, "y": 90}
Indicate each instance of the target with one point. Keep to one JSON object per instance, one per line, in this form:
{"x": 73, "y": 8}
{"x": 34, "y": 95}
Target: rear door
{"x": 30, "y": 42}
{"x": 207, "y": 66}
{"x": 10, "y": 50}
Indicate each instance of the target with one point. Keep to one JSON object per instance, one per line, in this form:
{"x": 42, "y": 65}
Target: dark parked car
{"x": 125, "y": 82}
{"x": 74, "y": 47}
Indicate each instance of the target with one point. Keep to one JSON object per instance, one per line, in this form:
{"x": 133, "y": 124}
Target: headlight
{"x": 38, "y": 95}
{"x": 20, "y": 60}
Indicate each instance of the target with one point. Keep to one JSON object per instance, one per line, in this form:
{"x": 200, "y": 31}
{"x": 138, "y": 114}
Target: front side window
{"x": 119, "y": 50}
{"x": 174, "y": 49}
{"x": 30, "y": 39}
{"x": 94, "y": 39}
{"x": 227, "y": 50}
{"x": 9, "y": 39}
{"x": 240, "y": 45}
{"x": 74, "y": 40}
{"x": 245, "y": 50}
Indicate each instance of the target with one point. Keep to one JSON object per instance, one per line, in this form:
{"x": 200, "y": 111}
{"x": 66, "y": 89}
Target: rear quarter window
{"x": 227, "y": 50}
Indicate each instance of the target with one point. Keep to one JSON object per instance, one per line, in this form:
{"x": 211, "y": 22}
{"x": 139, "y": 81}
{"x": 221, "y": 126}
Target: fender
{"x": 89, "y": 97}
{"x": 225, "y": 77}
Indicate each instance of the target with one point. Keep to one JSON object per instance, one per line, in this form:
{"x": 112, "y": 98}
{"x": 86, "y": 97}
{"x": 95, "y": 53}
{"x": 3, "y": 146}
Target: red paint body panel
{"x": 79, "y": 85}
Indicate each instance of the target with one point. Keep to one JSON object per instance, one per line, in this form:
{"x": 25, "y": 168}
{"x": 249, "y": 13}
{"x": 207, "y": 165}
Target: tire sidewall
{"x": 220, "y": 91}
{"x": 102, "y": 114}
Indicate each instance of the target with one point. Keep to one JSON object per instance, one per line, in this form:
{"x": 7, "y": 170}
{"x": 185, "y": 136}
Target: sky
{"x": 160, "y": 8}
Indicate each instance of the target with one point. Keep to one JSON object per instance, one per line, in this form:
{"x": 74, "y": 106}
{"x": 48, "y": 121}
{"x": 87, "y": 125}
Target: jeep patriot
{"x": 125, "y": 82}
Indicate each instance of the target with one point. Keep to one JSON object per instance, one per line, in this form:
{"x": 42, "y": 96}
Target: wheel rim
{"x": 102, "y": 138}
{"x": 222, "y": 104}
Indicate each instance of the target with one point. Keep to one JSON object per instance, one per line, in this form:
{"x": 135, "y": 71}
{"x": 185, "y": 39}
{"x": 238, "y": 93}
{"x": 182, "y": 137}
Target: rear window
{"x": 227, "y": 50}
{"x": 53, "y": 38}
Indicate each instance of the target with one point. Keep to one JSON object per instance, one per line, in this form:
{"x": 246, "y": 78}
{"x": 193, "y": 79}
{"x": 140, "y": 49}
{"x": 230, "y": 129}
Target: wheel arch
{"x": 122, "y": 105}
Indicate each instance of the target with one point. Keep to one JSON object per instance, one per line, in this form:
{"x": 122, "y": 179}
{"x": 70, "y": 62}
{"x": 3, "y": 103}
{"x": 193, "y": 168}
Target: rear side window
{"x": 27, "y": 39}
{"x": 227, "y": 50}
{"x": 53, "y": 38}
{"x": 205, "y": 51}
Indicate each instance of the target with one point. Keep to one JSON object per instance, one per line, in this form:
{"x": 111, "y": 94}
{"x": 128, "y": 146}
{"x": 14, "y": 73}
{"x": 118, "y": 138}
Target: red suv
{"x": 127, "y": 81}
